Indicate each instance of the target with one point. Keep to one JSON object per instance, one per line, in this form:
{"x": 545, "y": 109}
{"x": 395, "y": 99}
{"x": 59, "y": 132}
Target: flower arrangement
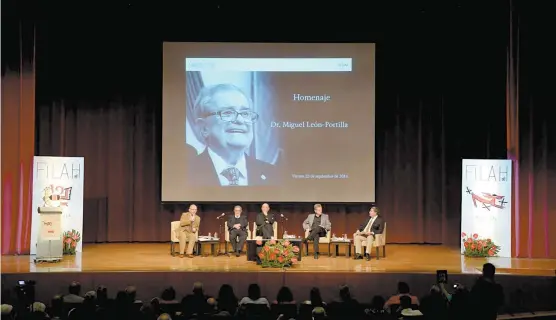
{"x": 478, "y": 247}
{"x": 278, "y": 254}
{"x": 71, "y": 239}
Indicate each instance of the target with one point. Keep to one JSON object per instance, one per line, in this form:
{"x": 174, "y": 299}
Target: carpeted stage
{"x": 151, "y": 267}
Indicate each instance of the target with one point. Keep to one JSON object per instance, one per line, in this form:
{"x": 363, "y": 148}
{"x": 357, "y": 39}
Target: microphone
{"x": 283, "y": 217}
{"x": 220, "y": 216}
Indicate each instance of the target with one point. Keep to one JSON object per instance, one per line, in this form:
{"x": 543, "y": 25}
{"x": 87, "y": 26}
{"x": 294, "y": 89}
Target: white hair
{"x": 204, "y": 99}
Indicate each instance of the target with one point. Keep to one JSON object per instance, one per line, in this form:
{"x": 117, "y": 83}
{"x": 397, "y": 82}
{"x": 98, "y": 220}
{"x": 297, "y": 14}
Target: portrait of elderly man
{"x": 224, "y": 117}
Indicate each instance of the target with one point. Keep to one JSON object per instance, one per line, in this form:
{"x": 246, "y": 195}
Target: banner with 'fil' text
{"x": 58, "y": 182}
{"x": 486, "y": 202}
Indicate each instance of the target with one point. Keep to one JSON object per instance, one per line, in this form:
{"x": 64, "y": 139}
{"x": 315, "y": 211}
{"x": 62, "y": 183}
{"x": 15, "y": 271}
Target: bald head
{"x": 193, "y": 209}
{"x": 212, "y": 303}
{"x": 164, "y": 316}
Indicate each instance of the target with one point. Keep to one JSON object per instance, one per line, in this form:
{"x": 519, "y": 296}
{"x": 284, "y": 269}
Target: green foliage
{"x": 278, "y": 254}
{"x": 478, "y": 247}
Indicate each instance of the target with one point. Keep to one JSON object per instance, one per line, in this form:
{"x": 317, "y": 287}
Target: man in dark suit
{"x": 317, "y": 225}
{"x": 265, "y": 222}
{"x": 237, "y": 226}
{"x": 374, "y": 224}
{"x": 225, "y": 119}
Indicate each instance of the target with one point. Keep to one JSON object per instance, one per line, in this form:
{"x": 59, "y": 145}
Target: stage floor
{"x": 155, "y": 257}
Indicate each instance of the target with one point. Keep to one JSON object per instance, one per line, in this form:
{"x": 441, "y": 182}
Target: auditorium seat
{"x": 288, "y": 310}
{"x": 305, "y": 312}
{"x": 325, "y": 240}
{"x": 274, "y": 226}
{"x": 254, "y": 311}
{"x": 227, "y": 235}
{"x": 174, "y": 225}
{"x": 171, "y": 308}
{"x": 380, "y": 241}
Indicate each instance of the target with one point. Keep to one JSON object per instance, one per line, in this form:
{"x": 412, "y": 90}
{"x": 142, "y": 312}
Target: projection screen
{"x": 268, "y": 122}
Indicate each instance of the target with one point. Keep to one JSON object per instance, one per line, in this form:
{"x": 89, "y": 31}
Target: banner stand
{"x": 58, "y": 194}
{"x": 486, "y": 206}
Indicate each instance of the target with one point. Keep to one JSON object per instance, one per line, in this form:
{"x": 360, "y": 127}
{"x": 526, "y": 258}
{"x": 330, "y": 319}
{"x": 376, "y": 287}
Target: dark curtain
{"x": 441, "y": 97}
{"x": 531, "y": 131}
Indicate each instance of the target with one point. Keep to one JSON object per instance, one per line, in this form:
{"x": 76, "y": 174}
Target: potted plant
{"x": 474, "y": 246}
{"x": 278, "y": 254}
{"x": 71, "y": 239}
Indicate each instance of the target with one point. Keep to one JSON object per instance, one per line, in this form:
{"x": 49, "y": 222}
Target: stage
{"x": 155, "y": 257}
{"x": 150, "y": 267}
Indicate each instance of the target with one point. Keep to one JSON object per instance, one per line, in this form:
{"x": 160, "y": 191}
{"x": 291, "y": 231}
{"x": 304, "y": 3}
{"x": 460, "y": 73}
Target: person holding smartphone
{"x": 403, "y": 290}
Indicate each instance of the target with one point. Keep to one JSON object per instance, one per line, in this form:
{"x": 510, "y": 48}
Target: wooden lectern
{"x": 50, "y": 247}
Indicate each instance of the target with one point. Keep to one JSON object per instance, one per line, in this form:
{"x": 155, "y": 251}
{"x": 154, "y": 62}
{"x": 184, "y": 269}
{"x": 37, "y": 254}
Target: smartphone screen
{"x": 442, "y": 276}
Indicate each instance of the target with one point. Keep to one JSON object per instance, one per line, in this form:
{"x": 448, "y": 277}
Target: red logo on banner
{"x": 61, "y": 194}
{"x": 487, "y": 200}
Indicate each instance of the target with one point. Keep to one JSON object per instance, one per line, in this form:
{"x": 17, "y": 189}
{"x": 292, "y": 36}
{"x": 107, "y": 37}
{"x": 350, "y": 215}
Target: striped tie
{"x": 232, "y": 174}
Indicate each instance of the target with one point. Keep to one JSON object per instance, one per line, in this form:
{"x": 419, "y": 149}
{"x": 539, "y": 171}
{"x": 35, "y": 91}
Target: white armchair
{"x": 326, "y": 239}
{"x": 379, "y": 241}
{"x": 227, "y": 235}
{"x": 274, "y": 227}
{"x": 174, "y": 236}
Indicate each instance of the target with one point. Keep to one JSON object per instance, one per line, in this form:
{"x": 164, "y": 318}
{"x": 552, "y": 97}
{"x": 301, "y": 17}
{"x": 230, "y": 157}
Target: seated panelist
{"x": 265, "y": 223}
{"x": 187, "y": 232}
{"x": 237, "y": 227}
{"x": 318, "y": 225}
{"x": 373, "y": 225}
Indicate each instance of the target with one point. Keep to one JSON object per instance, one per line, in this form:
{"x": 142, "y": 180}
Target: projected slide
{"x": 268, "y": 122}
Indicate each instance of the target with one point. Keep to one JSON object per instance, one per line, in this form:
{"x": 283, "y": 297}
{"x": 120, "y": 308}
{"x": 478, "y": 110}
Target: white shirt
{"x": 246, "y": 300}
{"x": 368, "y": 227}
{"x": 221, "y": 165}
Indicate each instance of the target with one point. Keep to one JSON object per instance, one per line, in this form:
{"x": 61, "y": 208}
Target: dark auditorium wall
{"x": 441, "y": 97}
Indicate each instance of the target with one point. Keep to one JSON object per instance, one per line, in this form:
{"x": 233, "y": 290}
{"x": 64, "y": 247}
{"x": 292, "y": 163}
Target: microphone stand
{"x": 221, "y": 237}
{"x": 282, "y": 219}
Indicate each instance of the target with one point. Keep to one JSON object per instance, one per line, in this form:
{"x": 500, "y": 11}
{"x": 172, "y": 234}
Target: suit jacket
{"x": 201, "y": 171}
{"x": 187, "y": 225}
{"x": 242, "y": 221}
{"x": 377, "y": 227}
{"x": 260, "y": 220}
{"x": 72, "y": 298}
{"x": 324, "y": 222}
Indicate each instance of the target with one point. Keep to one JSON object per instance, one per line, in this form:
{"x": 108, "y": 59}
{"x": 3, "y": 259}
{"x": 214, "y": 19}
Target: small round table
{"x": 336, "y": 244}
